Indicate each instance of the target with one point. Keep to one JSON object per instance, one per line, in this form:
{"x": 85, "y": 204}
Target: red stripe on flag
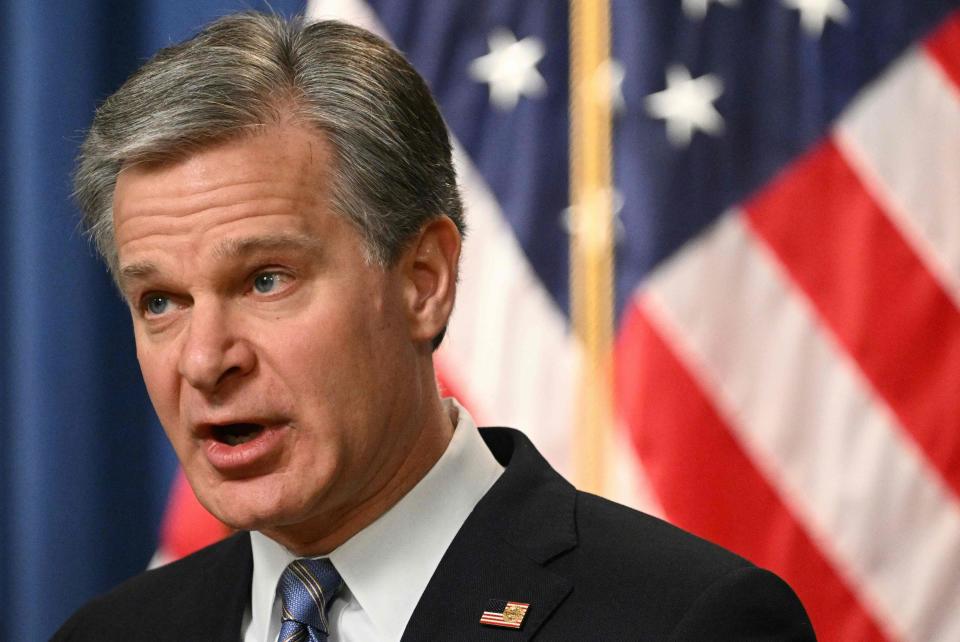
{"x": 708, "y": 485}
{"x": 187, "y": 526}
{"x": 451, "y": 386}
{"x": 944, "y": 47}
{"x": 886, "y": 309}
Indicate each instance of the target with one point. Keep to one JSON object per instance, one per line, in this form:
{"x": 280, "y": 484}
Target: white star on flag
{"x": 815, "y": 13}
{"x": 608, "y": 81}
{"x": 510, "y": 68}
{"x": 687, "y": 105}
{"x": 697, "y": 9}
{"x": 566, "y": 216}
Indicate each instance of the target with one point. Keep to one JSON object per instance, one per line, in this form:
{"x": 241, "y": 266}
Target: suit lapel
{"x": 525, "y": 520}
{"x": 219, "y": 594}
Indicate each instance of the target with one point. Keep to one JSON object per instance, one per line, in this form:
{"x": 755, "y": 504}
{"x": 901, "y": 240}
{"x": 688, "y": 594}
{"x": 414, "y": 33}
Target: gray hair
{"x": 393, "y": 169}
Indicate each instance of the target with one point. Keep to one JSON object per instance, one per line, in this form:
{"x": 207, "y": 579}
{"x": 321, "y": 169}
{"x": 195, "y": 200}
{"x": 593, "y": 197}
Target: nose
{"x": 213, "y": 352}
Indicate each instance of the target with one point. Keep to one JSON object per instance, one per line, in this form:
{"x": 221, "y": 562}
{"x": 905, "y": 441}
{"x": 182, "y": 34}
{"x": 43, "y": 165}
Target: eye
{"x": 269, "y": 282}
{"x": 156, "y": 304}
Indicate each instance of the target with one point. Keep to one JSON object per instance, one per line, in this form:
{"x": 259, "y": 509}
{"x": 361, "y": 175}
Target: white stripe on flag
{"x": 355, "y": 12}
{"x": 508, "y": 341}
{"x": 902, "y": 136}
{"x": 809, "y": 420}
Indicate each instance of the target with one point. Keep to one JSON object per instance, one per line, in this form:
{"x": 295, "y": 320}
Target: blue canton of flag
{"x": 504, "y": 614}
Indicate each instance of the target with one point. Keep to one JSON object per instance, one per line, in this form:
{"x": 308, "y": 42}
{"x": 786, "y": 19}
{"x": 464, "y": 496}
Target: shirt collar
{"x": 387, "y": 566}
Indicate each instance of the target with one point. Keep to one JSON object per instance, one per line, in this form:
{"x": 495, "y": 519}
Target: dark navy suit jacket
{"x": 590, "y": 570}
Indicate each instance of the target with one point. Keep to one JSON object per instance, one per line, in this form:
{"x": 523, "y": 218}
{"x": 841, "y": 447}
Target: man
{"x": 277, "y": 203}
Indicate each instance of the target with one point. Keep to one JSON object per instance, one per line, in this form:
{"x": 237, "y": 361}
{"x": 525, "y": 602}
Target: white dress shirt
{"x": 386, "y": 566}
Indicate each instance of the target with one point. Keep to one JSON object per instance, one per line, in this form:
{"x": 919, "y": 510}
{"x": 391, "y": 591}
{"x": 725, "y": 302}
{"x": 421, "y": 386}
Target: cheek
{"x": 335, "y": 361}
{"x": 341, "y": 331}
{"x": 159, "y": 372}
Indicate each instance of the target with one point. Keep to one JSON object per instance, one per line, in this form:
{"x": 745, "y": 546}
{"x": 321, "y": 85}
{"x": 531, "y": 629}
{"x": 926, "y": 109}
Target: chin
{"x": 248, "y": 518}
{"x": 245, "y": 509}
{"x": 271, "y": 501}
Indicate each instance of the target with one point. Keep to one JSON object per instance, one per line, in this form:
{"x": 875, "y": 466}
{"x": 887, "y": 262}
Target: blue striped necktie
{"x": 307, "y": 587}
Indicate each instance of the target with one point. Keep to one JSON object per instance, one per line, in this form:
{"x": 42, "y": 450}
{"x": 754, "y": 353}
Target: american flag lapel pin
{"x": 504, "y": 613}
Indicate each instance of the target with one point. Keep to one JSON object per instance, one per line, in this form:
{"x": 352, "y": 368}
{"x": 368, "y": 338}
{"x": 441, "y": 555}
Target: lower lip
{"x": 248, "y": 458}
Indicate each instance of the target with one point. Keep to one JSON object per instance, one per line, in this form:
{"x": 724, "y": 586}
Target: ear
{"x": 429, "y": 268}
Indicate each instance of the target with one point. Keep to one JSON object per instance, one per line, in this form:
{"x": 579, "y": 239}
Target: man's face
{"x": 279, "y": 361}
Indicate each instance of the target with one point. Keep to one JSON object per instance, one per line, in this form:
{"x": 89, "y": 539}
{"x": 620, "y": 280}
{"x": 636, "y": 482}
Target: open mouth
{"x": 236, "y": 434}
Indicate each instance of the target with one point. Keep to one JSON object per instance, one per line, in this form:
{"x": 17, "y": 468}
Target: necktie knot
{"x": 306, "y": 588}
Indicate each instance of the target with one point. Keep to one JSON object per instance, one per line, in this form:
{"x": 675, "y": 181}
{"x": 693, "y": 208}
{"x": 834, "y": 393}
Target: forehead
{"x": 275, "y": 179}
{"x": 285, "y": 154}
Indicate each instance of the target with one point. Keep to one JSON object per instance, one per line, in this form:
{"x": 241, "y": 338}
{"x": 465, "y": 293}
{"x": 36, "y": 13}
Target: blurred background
{"x": 734, "y": 304}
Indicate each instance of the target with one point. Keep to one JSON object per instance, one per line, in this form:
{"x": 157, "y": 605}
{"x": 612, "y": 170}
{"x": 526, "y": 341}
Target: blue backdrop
{"x": 85, "y": 467}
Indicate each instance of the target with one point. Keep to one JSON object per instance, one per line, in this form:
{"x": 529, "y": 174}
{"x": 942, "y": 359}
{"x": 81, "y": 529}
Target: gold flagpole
{"x": 591, "y": 237}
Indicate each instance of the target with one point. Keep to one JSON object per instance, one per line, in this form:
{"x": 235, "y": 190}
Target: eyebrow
{"x": 230, "y": 249}
{"x": 137, "y": 271}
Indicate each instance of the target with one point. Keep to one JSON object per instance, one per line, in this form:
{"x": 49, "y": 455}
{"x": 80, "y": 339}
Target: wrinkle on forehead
{"x": 211, "y": 167}
{"x": 285, "y": 172}
{"x": 238, "y": 247}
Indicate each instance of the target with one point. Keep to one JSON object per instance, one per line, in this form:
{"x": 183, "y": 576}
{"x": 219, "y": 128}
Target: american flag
{"x": 504, "y": 614}
{"x": 787, "y": 274}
